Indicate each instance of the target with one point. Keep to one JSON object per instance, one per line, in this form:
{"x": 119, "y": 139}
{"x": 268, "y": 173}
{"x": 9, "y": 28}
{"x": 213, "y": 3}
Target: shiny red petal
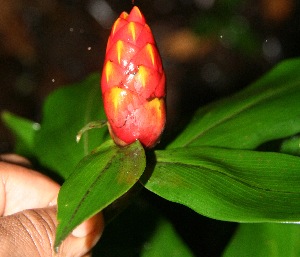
{"x": 121, "y": 53}
{"x": 135, "y": 120}
{"x": 152, "y": 118}
{"x": 143, "y": 82}
{"x": 133, "y": 82}
{"x": 112, "y": 76}
{"x": 145, "y": 37}
{"x": 160, "y": 90}
{"x": 119, "y": 104}
{"x": 129, "y": 32}
{"x": 149, "y": 57}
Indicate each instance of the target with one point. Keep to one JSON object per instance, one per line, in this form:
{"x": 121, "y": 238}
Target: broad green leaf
{"x": 265, "y": 240}
{"x": 65, "y": 112}
{"x": 165, "y": 242}
{"x": 228, "y": 184}
{"x": 267, "y": 110}
{"x": 99, "y": 179}
{"x": 291, "y": 146}
{"x": 24, "y": 131}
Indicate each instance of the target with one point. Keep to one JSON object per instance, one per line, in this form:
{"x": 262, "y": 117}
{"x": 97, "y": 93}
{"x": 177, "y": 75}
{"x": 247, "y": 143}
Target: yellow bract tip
{"x": 156, "y": 104}
{"x": 143, "y": 75}
{"x": 115, "y": 95}
{"x": 137, "y": 11}
{"x": 131, "y": 27}
{"x": 113, "y": 30}
{"x": 119, "y": 50}
{"x": 151, "y": 53}
{"x": 108, "y": 70}
{"x": 124, "y": 15}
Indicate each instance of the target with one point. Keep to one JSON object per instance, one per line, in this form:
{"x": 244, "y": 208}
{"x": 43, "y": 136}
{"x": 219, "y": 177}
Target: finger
{"x": 32, "y": 232}
{"x": 15, "y": 159}
{"x": 88, "y": 235}
{"x": 28, "y": 233}
{"x": 88, "y": 255}
{"x": 22, "y": 188}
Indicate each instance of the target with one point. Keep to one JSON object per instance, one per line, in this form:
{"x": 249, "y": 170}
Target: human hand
{"x": 28, "y": 215}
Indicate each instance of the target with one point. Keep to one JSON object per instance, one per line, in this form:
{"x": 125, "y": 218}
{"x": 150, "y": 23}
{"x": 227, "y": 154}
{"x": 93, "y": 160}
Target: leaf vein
{"x": 269, "y": 94}
{"x": 227, "y": 175}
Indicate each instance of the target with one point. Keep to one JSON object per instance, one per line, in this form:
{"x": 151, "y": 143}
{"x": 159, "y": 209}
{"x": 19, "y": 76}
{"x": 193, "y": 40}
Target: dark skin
{"x": 28, "y": 215}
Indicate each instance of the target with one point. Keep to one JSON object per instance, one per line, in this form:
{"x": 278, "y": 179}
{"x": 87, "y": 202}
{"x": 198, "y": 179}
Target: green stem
{"x": 90, "y": 125}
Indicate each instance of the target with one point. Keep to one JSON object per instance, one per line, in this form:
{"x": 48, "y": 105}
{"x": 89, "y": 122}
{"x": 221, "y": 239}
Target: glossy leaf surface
{"x": 267, "y": 110}
{"x": 99, "y": 179}
{"x": 291, "y": 146}
{"x": 231, "y": 185}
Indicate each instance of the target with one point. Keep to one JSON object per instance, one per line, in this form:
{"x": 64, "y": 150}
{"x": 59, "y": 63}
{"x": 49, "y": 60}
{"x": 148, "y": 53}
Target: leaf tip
{"x": 4, "y": 115}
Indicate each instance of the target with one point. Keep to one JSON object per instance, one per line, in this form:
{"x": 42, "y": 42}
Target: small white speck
{"x": 36, "y": 126}
{"x": 71, "y": 29}
{"x": 89, "y": 48}
{"x": 221, "y": 36}
{"x": 53, "y": 80}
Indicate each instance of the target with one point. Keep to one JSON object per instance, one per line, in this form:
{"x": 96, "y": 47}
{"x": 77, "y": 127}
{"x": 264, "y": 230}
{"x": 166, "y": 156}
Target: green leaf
{"x": 165, "y": 242}
{"x": 24, "y": 131}
{"x": 267, "y": 110}
{"x": 291, "y": 146}
{"x": 228, "y": 184}
{"x": 263, "y": 240}
{"x": 99, "y": 179}
{"x": 65, "y": 112}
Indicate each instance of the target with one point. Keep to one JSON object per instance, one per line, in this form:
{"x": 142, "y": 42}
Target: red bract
{"x": 133, "y": 82}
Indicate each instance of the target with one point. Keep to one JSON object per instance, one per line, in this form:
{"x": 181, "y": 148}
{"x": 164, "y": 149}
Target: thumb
{"x": 32, "y": 233}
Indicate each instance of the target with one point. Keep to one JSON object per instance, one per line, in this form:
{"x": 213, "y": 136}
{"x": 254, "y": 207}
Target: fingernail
{"x": 87, "y": 227}
{"x": 53, "y": 202}
{"x": 82, "y": 230}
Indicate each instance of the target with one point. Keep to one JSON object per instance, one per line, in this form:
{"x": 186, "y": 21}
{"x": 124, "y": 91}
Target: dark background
{"x": 210, "y": 49}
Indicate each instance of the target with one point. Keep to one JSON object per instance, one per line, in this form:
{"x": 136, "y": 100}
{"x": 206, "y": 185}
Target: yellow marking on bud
{"x": 151, "y": 53}
{"x": 142, "y": 75}
{"x": 138, "y": 11}
{"x": 156, "y": 104}
{"x": 119, "y": 50}
{"x": 108, "y": 70}
{"x": 131, "y": 27}
{"x": 115, "y": 95}
{"x": 124, "y": 15}
{"x": 113, "y": 30}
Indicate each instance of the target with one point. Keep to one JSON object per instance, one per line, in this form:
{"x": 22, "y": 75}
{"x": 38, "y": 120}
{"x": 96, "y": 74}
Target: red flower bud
{"x": 133, "y": 82}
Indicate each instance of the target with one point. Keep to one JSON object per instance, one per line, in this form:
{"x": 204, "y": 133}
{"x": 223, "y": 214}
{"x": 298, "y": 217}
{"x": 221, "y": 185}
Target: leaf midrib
{"x": 108, "y": 164}
{"x": 208, "y": 168}
{"x": 269, "y": 93}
